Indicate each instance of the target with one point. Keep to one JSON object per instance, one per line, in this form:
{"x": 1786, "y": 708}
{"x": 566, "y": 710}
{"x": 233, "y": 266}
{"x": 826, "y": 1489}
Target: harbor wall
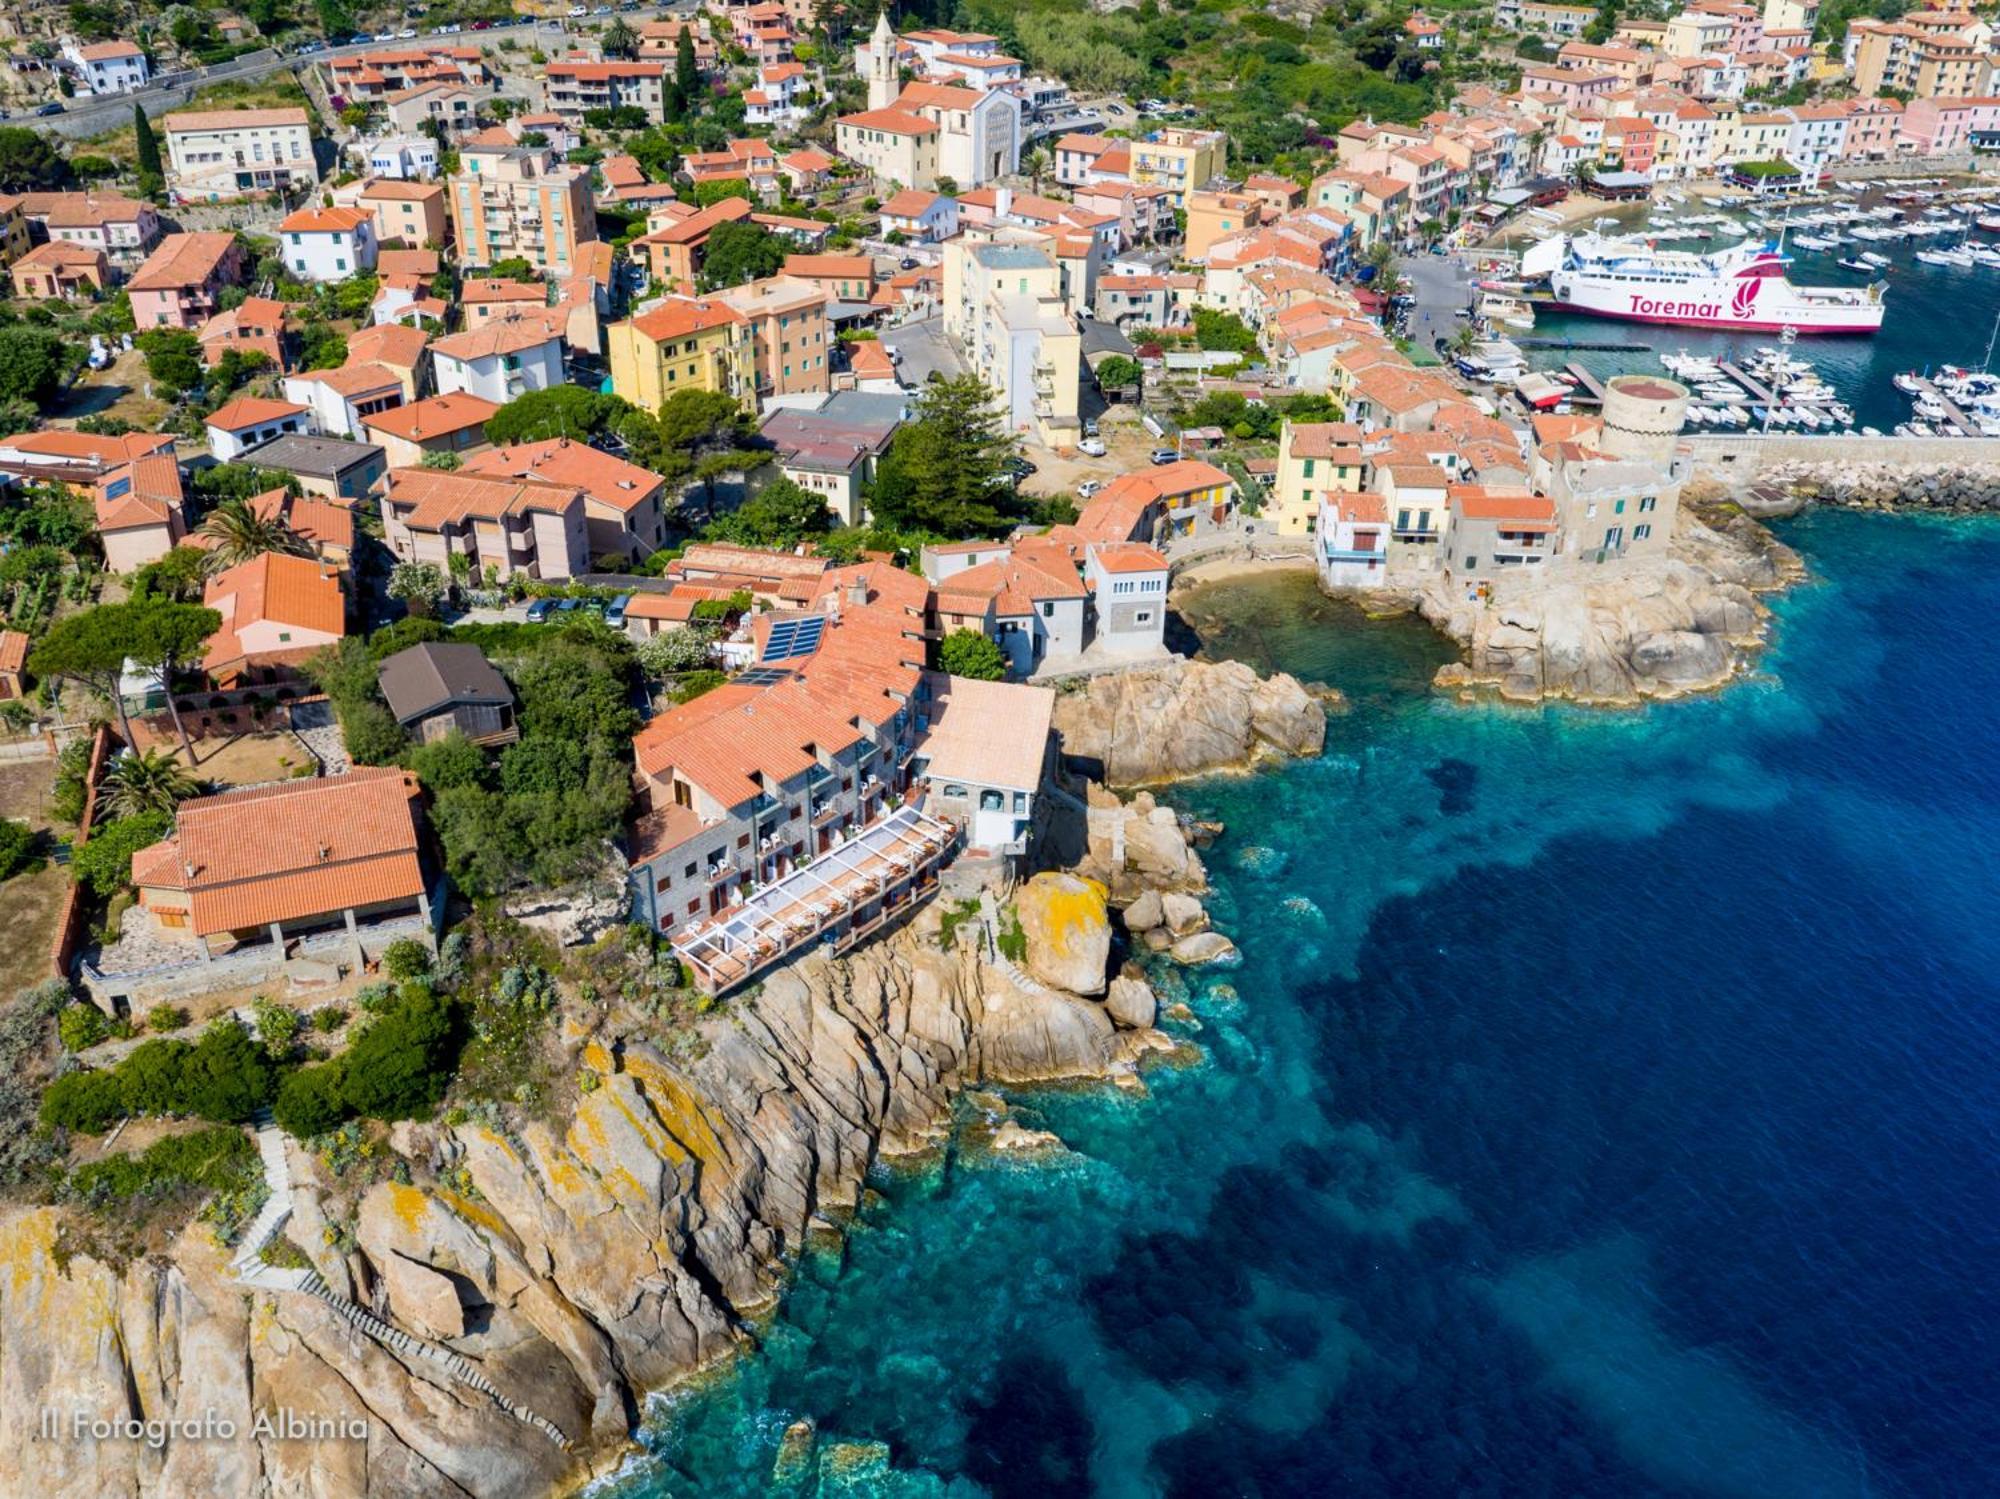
{"x": 1742, "y": 454}
{"x": 1903, "y": 167}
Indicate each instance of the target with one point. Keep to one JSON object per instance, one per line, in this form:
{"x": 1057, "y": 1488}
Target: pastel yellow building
{"x": 1314, "y": 458}
{"x": 685, "y": 343}
{"x": 1004, "y": 309}
{"x": 1181, "y": 161}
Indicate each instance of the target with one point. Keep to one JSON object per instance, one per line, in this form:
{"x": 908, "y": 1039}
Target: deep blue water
{"x": 1606, "y": 1106}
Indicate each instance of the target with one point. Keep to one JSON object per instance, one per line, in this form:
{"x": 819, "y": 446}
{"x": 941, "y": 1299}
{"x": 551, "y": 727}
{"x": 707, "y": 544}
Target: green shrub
{"x": 277, "y": 1025}
{"x": 328, "y": 1018}
{"x": 398, "y": 1067}
{"x": 82, "y": 1025}
{"x": 166, "y": 1018}
{"x": 406, "y": 958}
{"x": 310, "y": 1101}
{"x": 214, "y": 1160}
{"x": 150, "y": 1079}
{"x": 226, "y": 1076}
{"x": 86, "y": 1102}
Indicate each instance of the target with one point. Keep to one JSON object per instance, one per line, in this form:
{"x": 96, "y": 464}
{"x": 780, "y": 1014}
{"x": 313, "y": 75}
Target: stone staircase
{"x": 251, "y": 1270}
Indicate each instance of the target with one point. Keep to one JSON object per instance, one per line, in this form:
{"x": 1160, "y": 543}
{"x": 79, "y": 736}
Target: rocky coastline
{"x": 509, "y": 1290}
{"x": 1156, "y": 724}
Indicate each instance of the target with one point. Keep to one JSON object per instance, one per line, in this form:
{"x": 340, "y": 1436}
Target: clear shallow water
{"x": 1608, "y": 1108}
{"x": 1936, "y": 316}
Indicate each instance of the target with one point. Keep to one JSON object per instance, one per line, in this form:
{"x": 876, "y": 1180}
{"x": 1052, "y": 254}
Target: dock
{"x": 1952, "y": 412}
{"x": 1583, "y": 344}
{"x": 1593, "y": 388}
{"x": 1758, "y": 393}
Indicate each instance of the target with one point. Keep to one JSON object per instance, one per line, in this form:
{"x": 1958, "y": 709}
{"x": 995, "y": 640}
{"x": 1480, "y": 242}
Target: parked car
{"x": 908, "y": 263}
{"x": 615, "y": 615}
{"x": 50, "y": 108}
{"x": 1088, "y": 488}
{"x": 568, "y": 606}
{"x": 1165, "y": 455}
{"x": 1092, "y": 447}
{"x": 539, "y": 610}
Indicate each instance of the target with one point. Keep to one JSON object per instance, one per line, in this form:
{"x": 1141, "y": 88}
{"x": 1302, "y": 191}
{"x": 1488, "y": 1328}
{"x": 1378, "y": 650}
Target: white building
{"x": 778, "y": 97}
{"x": 1128, "y": 596}
{"x": 110, "y": 67}
{"x": 924, "y": 218}
{"x": 404, "y": 158}
{"x": 986, "y": 758}
{"x": 499, "y": 360}
{"x": 1353, "y": 540}
{"x": 328, "y": 244}
{"x": 249, "y": 421}
{"x": 225, "y": 153}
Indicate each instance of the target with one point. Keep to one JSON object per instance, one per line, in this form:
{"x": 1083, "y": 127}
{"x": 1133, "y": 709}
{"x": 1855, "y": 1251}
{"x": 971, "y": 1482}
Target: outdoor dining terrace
{"x": 842, "y": 896}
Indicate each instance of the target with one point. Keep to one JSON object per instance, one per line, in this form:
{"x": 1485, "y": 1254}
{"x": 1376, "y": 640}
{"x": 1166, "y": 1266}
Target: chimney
{"x": 857, "y": 592}
{"x": 1003, "y": 200}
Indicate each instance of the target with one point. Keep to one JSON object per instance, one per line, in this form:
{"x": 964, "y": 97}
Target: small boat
{"x": 1990, "y": 222}
{"x": 1871, "y": 431}
{"x": 1909, "y": 384}
{"x": 1880, "y": 262}
{"x": 1854, "y": 263}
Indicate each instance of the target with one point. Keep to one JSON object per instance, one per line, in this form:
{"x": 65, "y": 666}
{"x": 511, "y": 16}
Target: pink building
{"x": 1933, "y": 126}
{"x": 1872, "y": 128}
{"x": 180, "y": 285}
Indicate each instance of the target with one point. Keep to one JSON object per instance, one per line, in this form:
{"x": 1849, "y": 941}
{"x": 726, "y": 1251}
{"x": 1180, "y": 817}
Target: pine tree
{"x": 146, "y": 143}
{"x": 687, "y": 77}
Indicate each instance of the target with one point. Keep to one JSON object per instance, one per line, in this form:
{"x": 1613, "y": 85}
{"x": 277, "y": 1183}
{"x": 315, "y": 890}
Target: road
{"x": 88, "y": 117}
{"x": 1442, "y": 287}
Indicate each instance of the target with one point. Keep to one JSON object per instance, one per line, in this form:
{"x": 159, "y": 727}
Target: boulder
{"x": 422, "y": 1300}
{"x": 1014, "y": 1137}
{"x": 1068, "y": 927}
{"x": 1203, "y": 947}
{"x": 1185, "y": 718}
{"x": 1183, "y": 913}
{"x": 1145, "y": 913}
{"x": 1131, "y": 1002}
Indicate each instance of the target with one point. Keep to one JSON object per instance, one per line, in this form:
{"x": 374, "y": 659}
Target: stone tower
{"x": 883, "y": 83}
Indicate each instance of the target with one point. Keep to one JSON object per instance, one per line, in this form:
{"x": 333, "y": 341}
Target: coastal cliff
{"x": 1619, "y": 632}
{"x": 1188, "y": 718}
{"x": 560, "y": 1267}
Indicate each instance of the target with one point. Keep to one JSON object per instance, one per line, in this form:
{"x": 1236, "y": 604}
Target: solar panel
{"x": 794, "y": 637}
{"x": 762, "y": 676}
{"x": 778, "y": 644}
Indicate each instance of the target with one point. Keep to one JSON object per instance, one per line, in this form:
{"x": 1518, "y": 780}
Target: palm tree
{"x": 1463, "y": 340}
{"x": 239, "y": 533}
{"x": 144, "y": 781}
{"x": 1037, "y": 162}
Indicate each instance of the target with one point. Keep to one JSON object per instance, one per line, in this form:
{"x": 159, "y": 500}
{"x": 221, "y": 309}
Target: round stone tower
{"x": 1642, "y": 417}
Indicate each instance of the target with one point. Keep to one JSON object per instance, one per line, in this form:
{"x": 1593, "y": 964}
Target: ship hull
{"x": 1680, "y": 310}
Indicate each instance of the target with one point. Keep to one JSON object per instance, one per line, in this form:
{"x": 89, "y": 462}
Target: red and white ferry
{"x": 1742, "y": 289}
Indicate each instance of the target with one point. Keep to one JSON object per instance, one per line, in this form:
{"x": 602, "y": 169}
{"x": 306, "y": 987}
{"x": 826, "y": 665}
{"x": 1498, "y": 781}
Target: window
{"x": 1647, "y": 504}
{"x": 298, "y": 239}
{"x": 1640, "y": 533}
{"x": 742, "y": 840}
{"x": 1143, "y": 617}
{"x": 1048, "y": 611}
{"x": 1618, "y": 508}
{"x": 694, "y": 907}
{"x": 688, "y": 872}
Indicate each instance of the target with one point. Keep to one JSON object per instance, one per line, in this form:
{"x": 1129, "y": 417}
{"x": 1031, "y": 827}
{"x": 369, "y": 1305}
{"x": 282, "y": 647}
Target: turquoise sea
{"x": 1606, "y": 1106}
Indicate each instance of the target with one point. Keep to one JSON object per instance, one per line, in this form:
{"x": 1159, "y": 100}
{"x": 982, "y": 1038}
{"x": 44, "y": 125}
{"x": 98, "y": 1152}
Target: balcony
{"x": 825, "y": 813}
{"x": 1336, "y": 554}
{"x": 842, "y": 897}
{"x": 717, "y": 874}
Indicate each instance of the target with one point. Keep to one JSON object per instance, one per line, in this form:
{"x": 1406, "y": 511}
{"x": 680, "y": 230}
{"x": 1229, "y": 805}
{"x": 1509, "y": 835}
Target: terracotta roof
{"x": 59, "y": 254}
{"x": 575, "y": 465}
{"x": 1014, "y": 585}
{"x": 13, "y": 650}
{"x": 1323, "y": 439}
{"x": 407, "y": 263}
{"x": 233, "y": 119}
{"x": 890, "y": 122}
{"x": 495, "y": 289}
{"x": 354, "y": 379}
{"x": 392, "y": 190}
{"x": 290, "y": 850}
{"x": 1128, "y": 557}
{"x": 1523, "y": 509}
{"x": 434, "y": 416}
{"x": 250, "y": 411}
{"x": 145, "y": 492}
{"x": 182, "y": 260}
{"x": 676, "y": 606}
{"x": 988, "y": 733}
{"x": 323, "y": 220}
{"x": 508, "y": 335}
{"x": 677, "y": 317}
{"x": 108, "y": 51}
{"x": 251, "y": 315}
{"x": 323, "y": 522}
{"x": 858, "y": 267}
{"x": 440, "y": 499}
{"x": 271, "y": 587}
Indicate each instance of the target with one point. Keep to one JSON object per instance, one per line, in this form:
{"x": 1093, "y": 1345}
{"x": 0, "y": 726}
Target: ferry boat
{"x": 1743, "y": 289}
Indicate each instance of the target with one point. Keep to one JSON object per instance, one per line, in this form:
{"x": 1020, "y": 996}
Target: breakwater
{"x": 1785, "y": 488}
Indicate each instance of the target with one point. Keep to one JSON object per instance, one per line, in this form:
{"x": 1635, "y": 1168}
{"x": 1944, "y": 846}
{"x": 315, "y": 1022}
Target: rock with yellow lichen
{"x": 1068, "y": 927}
{"x": 574, "y": 1264}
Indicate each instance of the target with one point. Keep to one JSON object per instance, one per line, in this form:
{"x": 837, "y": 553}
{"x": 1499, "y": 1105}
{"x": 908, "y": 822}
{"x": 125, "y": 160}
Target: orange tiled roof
{"x": 574, "y": 465}
{"x": 182, "y": 260}
{"x": 434, "y": 416}
{"x": 288, "y": 851}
